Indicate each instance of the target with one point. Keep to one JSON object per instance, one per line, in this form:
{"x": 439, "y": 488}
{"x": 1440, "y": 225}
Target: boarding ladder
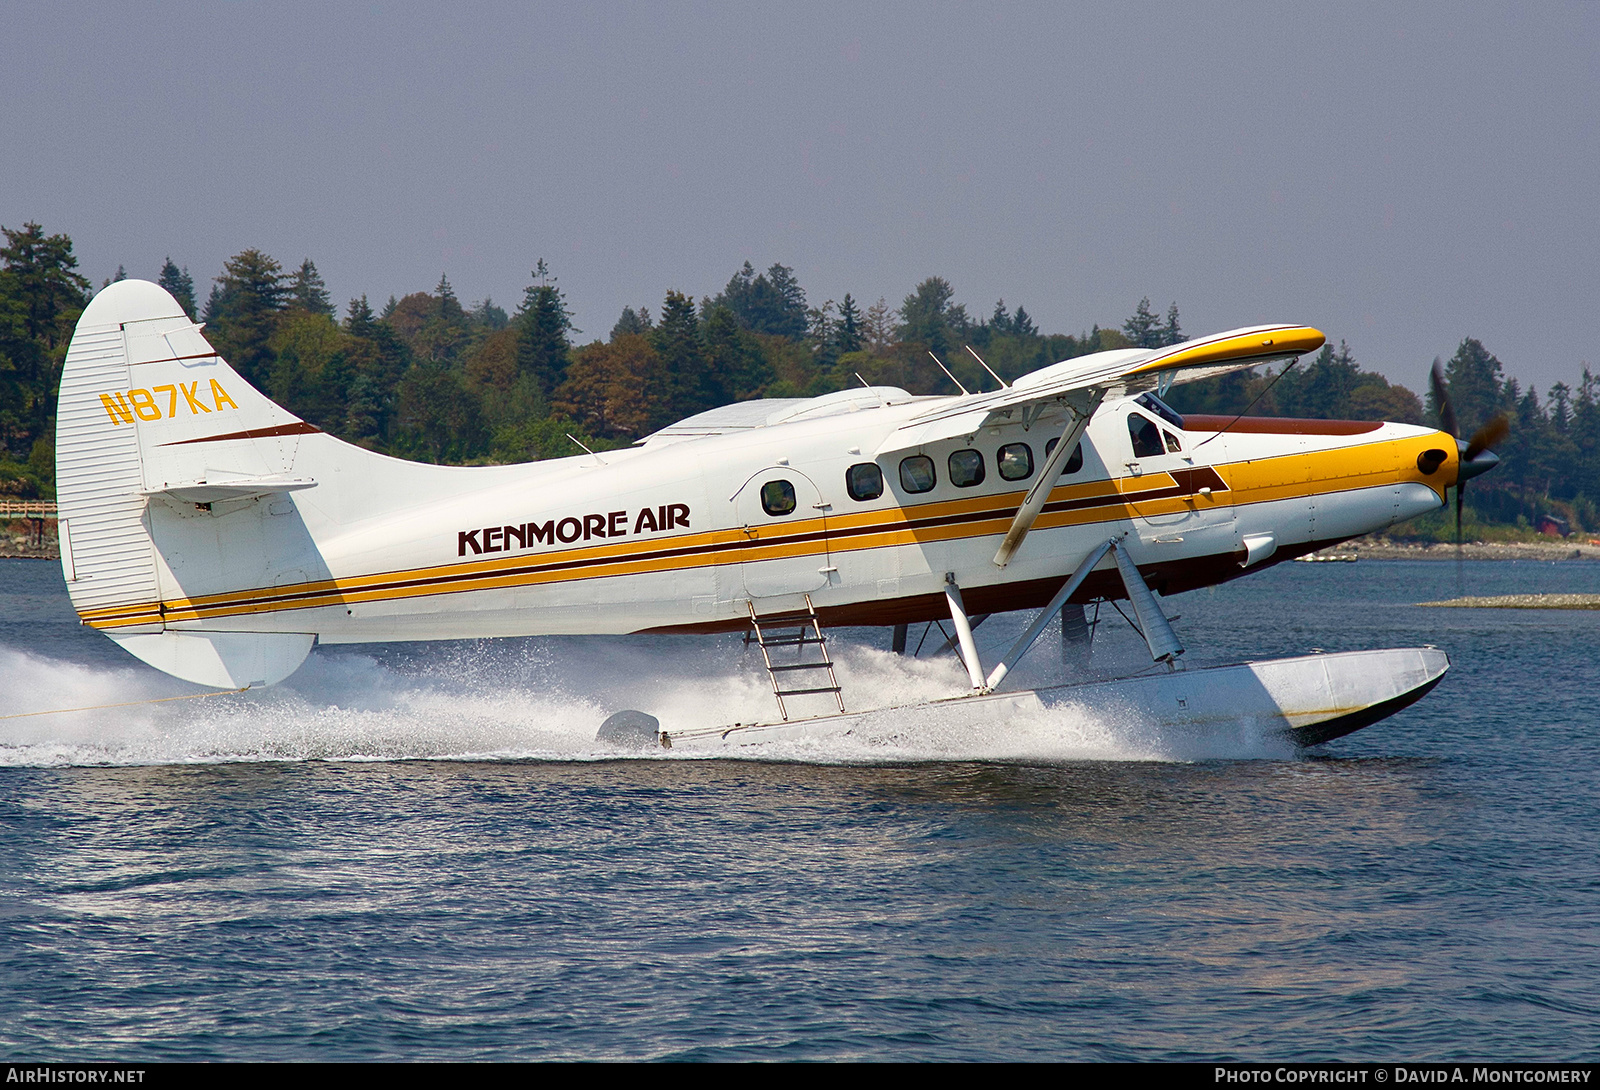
{"x": 800, "y": 630}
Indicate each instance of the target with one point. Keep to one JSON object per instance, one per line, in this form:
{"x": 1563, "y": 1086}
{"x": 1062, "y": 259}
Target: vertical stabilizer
{"x": 151, "y": 428}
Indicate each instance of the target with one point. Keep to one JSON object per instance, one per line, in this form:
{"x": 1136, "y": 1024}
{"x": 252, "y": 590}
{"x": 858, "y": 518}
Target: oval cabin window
{"x": 777, "y": 498}
{"x": 916, "y": 473}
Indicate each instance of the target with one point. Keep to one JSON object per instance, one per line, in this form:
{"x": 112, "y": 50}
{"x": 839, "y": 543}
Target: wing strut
{"x": 1158, "y": 635}
{"x": 1034, "y": 501}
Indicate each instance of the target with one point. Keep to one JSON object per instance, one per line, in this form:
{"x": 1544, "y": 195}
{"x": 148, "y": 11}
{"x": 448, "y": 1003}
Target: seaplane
{"x": 219, "y": 538}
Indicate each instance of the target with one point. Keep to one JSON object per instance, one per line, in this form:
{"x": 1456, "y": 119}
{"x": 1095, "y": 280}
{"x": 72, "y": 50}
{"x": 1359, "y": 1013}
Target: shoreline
{"x": 1382, "y": 548}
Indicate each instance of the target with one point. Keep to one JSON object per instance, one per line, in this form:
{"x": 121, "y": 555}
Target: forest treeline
{"x": 426, "y": 376}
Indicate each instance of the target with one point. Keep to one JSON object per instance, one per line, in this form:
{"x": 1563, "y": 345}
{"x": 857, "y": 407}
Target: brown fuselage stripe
{"x": 326, "y": 594}
{"x": 1273, "y": 425}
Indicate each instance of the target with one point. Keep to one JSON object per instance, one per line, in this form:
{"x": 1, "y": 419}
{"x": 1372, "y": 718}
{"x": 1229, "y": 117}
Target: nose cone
{"x": 1477, "y": 465}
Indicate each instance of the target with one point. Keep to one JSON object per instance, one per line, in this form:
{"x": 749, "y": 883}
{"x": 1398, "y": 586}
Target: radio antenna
{"x": 586, "y": 450}
{"x": 867, "y": 385}
{"x": 1252, "y": 404}
{"x": 947, "y": 371}
{"x": 1004, "y": 385}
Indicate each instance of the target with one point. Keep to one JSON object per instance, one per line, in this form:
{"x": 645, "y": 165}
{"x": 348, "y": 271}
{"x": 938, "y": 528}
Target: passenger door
{"x": 784, "y": 519}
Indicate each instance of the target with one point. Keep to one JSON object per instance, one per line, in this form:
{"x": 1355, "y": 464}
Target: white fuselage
{"x": 674, "y": 534}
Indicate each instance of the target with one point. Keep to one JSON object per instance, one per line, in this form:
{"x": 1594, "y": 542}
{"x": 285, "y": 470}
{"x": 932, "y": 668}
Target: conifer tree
{"x": 849, "y": 326}
{"x": 542, "y": 326}
{"x": 1143, "y": 329}
{"x": 450, "y": 308}
{"x": 1473, "y": 378}
{"x": 1172, "y": 332}
{"x": 44, "y": 279}
{"x": 788, "y": 313}
{"x": 489, "y": 317}
{"x": 878, "y": 328}
{"x": 772, "y": 303}
{"x": 244, "y": 312}
{"x": 677, "y": 342}
{"x": 632, "y": 323}
{"x": 359, "y": 319}
{"x": 736, "y": 369}
{"x": 822, "y": 335}
{"x": 930, "y": 319}
{"x": 307, "y": 291}
{"x": 41, "y": 297}
{"x": 180, "y": 285}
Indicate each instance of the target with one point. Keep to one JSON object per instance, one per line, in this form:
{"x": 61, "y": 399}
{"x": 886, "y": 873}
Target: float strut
{"x": 1153, "y": 626}
{"x": 1070, "y": 587}
{"x": 958, "y": 615}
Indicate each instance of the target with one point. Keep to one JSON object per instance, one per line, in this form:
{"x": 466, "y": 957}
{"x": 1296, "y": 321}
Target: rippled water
{"x": 420, "y": 853}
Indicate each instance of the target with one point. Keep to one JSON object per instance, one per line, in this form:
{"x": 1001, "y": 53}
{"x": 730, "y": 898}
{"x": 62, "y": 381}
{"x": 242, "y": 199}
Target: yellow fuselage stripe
{"x": 1287, "y": 477}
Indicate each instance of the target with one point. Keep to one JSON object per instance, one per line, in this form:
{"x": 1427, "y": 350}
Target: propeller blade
{"x": 1441, "y": 398}
{"x": 1490, "y": 435}
{"x": 1461, "y": 488}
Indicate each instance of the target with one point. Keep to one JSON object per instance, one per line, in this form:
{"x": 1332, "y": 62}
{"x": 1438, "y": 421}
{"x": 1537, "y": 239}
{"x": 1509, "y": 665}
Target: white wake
{"x": 538, "y": 700}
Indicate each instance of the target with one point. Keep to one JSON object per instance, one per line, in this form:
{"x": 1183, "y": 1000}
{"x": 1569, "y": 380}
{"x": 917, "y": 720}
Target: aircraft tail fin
{"x": 153, "y": 430}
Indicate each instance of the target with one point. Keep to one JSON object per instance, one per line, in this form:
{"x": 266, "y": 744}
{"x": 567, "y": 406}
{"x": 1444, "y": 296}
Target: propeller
{"x": 1477, "y": 453}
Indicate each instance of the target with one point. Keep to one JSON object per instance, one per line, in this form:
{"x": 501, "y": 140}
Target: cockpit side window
{"x": 1145, "y": 435}
{"x": 1173, "y": 446}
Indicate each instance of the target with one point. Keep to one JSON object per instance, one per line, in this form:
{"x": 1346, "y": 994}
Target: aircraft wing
{"x": 1076, "y": 383}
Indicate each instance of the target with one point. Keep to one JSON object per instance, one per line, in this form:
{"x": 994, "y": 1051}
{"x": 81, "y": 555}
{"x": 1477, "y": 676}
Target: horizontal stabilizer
{"x": 244, "y": 488}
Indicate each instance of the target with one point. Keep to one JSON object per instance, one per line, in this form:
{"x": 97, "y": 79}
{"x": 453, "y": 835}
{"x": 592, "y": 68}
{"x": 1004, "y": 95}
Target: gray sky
{"x": 1399, "y": 176}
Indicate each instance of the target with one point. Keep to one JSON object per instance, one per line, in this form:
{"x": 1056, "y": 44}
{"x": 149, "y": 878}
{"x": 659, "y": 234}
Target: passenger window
{"x": 966, "y": 468}
{"x": 1173, "y": 446}
{"x": 1016, "y": 461}
{"x": 864, "y": 481}
{"x": 777, "y": 498}
{"x": 1145, "y": 435}
{"x": 1074, "y": 461}
{"x": 916, "y": 473}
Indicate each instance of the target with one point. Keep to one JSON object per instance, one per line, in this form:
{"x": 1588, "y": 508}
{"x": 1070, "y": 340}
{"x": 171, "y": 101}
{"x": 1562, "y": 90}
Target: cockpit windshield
{"x": 1160, "y": 408}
